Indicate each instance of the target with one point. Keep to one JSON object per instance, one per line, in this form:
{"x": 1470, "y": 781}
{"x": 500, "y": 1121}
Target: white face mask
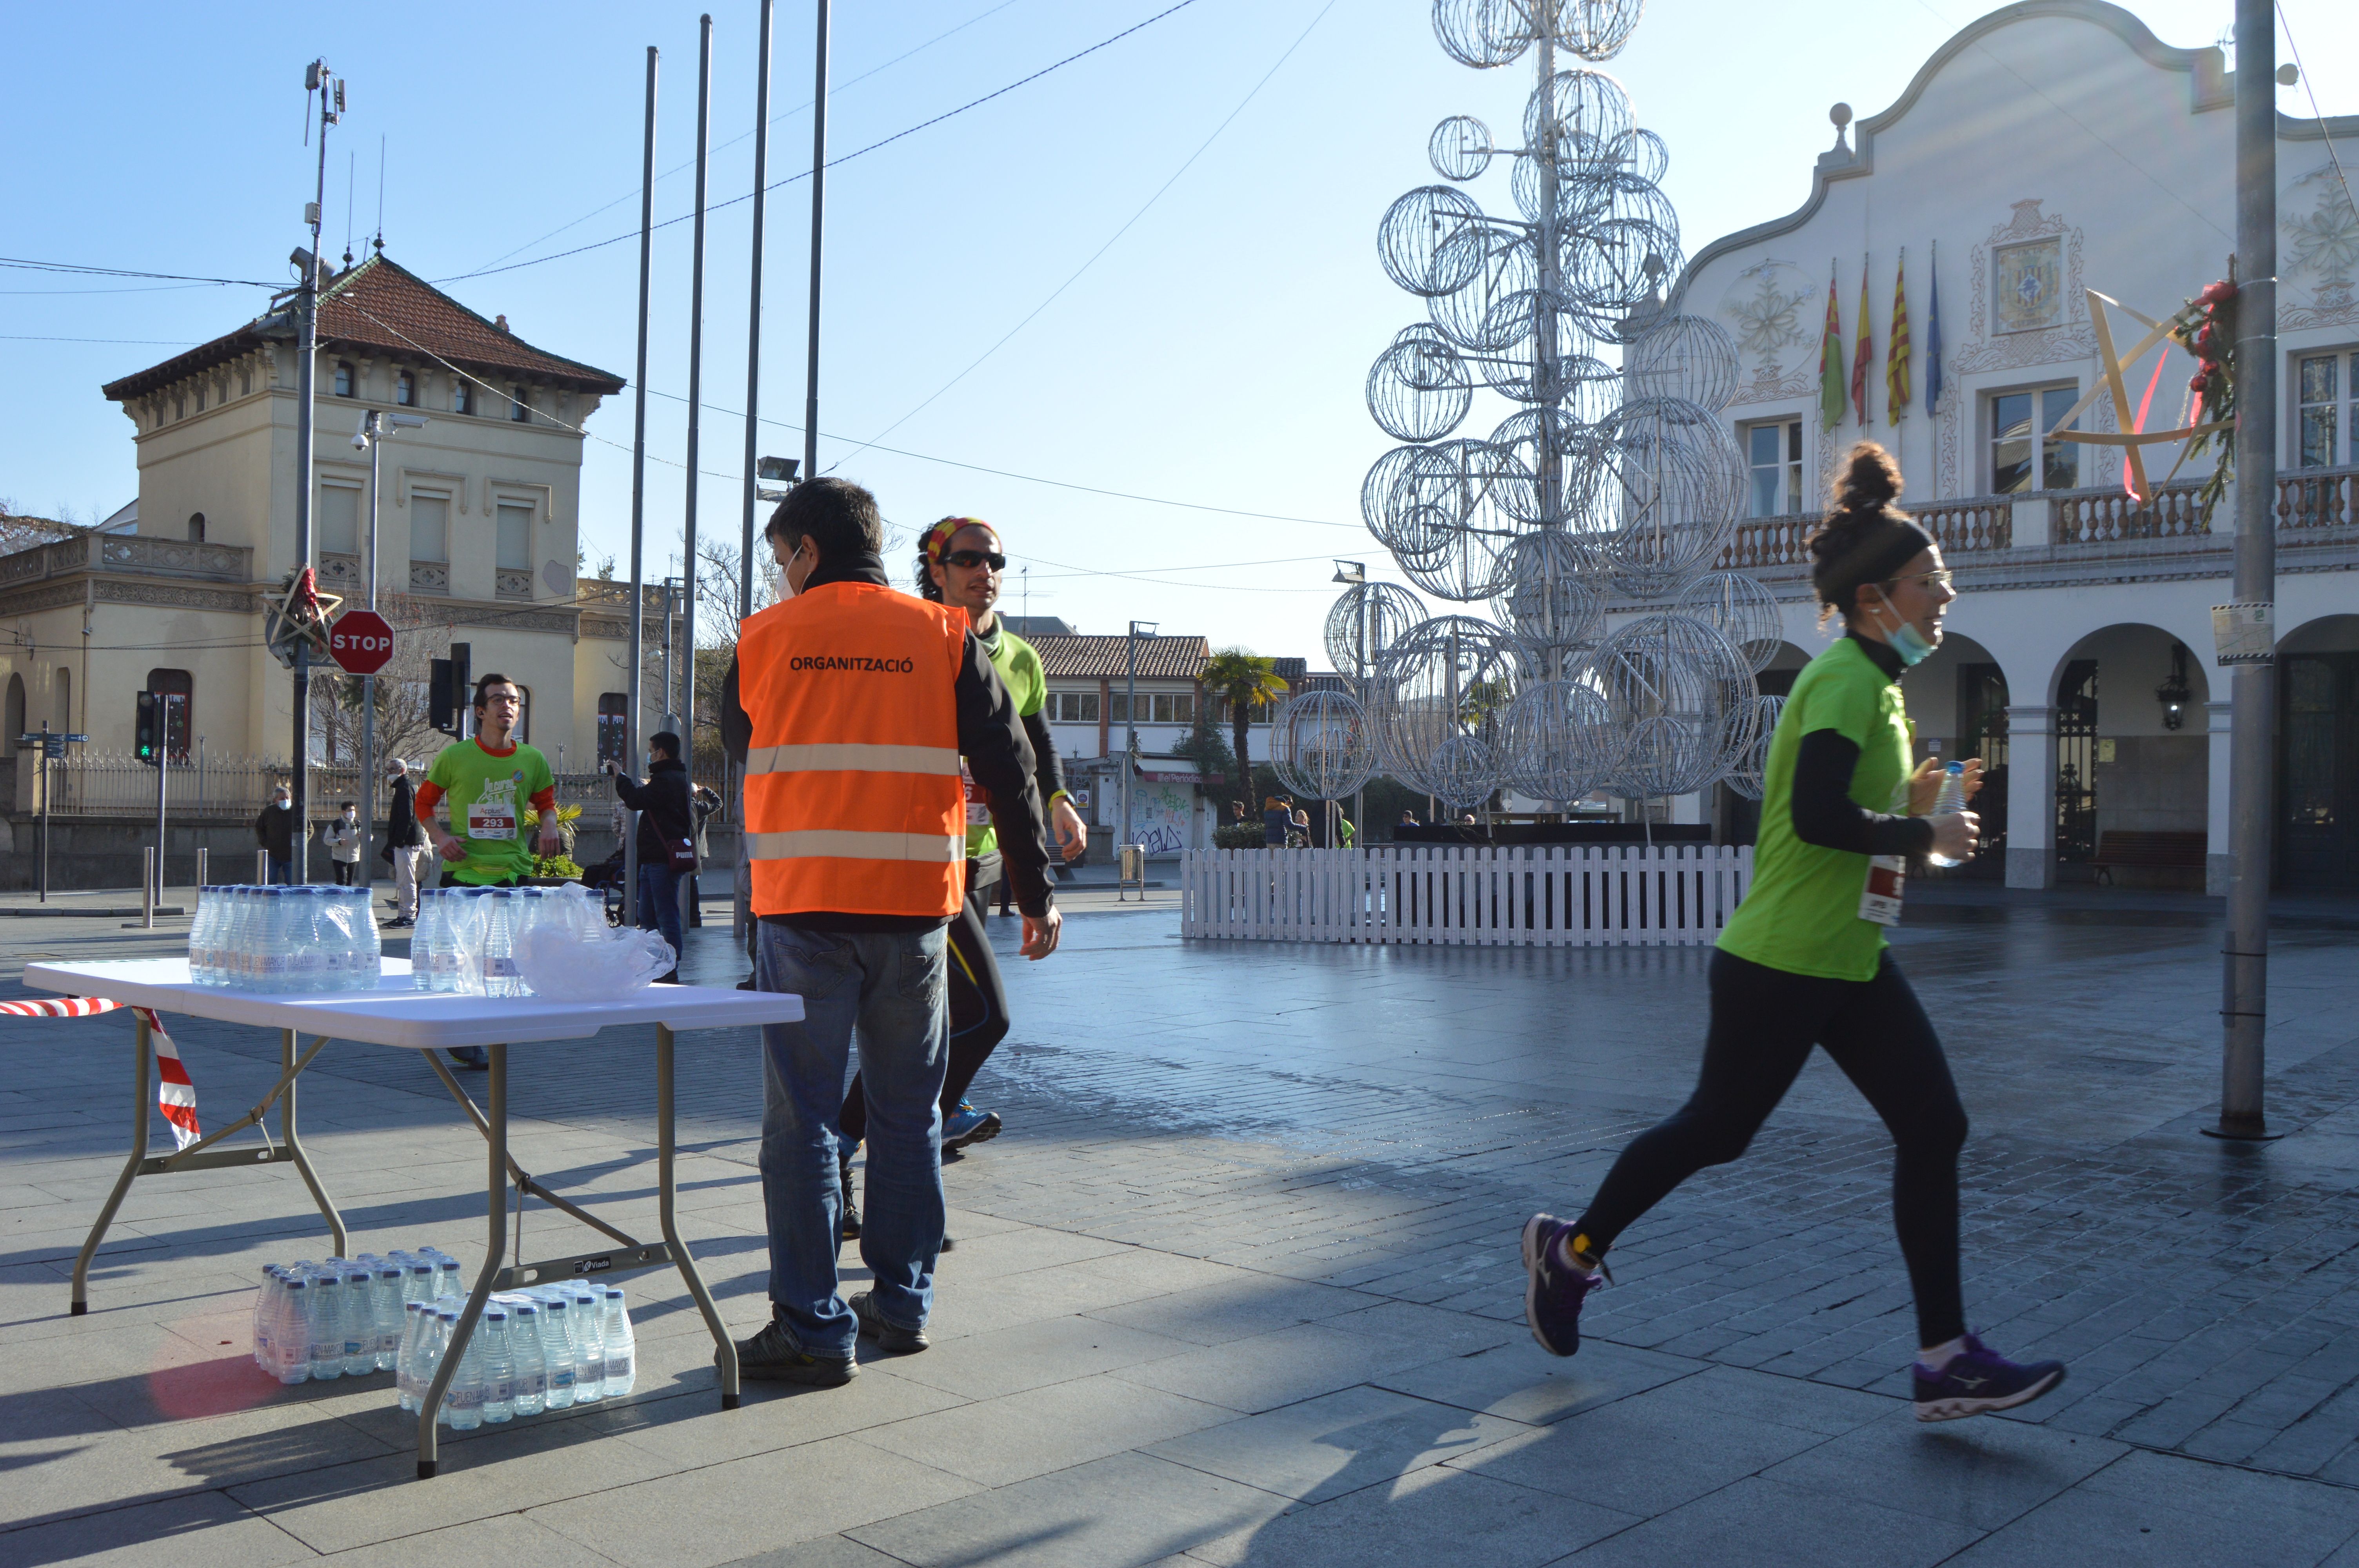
{"x": 780, "y": 585}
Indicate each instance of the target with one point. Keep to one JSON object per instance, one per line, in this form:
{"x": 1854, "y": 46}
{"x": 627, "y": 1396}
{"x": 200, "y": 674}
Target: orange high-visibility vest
{"x": 853, "y": 801}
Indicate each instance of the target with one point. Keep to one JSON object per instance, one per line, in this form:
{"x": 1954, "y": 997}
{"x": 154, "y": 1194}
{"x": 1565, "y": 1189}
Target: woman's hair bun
{"x": 1862, "y": 508}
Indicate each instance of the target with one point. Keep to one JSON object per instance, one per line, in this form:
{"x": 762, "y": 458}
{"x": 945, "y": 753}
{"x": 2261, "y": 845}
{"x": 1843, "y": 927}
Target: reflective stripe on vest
{"x": 853, "y": 759}
{"x": 845, "y": 845}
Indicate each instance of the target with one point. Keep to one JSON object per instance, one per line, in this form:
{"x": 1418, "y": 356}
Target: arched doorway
{"x": 2318, "y": 757}
{"x": 1957, "y": 704}
{"x": 2133, "y": 754}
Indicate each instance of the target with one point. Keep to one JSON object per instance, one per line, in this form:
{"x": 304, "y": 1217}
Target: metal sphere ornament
{"x": 1563, "y": 742}
{"x": 1691, "y": 358}
{"x": 1460, "y": 148}
{"x": 1415, "y": 240}
{"x": 1669, "y": 680}
{"x": 1320, "y": 745}
{"x": 1666, "y": 504}
{"x": 1367, "y": 621}
{"x": 1551, "y": 602}
{"x": 1443, "y": 696}
{"x": 1741, "y": 610}
{"x": 1748, "y": 778}
{"x": 1418, "y": 389}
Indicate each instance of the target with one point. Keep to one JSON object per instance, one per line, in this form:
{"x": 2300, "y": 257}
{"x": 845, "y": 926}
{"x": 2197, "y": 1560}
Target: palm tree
{"x": 1245, "y": 681}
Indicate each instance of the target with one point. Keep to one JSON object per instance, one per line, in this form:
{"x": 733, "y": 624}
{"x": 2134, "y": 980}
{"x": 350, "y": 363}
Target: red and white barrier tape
{"x": 175, "y": 1096}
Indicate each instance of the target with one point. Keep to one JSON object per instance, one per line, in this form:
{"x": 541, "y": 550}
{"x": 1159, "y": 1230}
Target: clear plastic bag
{"x": 567, "y": 949}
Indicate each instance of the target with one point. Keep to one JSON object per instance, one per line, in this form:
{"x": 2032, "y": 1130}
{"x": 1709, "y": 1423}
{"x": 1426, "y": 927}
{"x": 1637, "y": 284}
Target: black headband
{"x": 1892, "y": 543}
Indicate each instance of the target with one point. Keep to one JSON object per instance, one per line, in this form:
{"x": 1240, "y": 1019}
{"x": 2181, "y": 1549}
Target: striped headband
{"x": 938, "y": 537}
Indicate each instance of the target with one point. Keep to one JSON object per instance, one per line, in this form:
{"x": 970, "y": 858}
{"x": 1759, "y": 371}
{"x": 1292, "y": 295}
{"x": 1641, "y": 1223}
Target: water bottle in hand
{"x": 1948, "y": 803}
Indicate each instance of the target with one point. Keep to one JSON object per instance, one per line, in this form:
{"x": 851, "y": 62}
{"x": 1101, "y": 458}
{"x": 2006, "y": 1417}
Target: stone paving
{"x": 1238, "y": 1285}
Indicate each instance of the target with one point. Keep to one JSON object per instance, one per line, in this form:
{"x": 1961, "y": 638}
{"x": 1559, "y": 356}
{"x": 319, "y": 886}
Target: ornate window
{"x": 1772, "y": 456}
{"x": 2329, "y": 402}
{"x": 2022, "y": 457}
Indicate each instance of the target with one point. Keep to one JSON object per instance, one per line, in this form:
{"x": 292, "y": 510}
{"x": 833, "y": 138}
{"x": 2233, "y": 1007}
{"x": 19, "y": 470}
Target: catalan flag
{"x": 1831, "y": 383}
{"x": 1861, "y": 355}
{"x": 1895, "y": 354}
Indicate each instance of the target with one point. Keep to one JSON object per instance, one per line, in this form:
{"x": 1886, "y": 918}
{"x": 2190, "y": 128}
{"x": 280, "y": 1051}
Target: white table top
{"x": 417, "y": 1020}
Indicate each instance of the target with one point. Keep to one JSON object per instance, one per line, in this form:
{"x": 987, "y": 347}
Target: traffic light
{"x": 447, "y": 697}
{"x": 149, "y": 742}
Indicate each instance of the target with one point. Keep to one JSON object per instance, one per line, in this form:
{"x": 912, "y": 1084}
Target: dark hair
{"x": 1863, "y": 537}
{"x": 484, "y": 683}
{"x": 928, "y": 588}
{"x": 666, "y": 742}
{"x": 840, "y": 516}
{"x": 348, "y": 806}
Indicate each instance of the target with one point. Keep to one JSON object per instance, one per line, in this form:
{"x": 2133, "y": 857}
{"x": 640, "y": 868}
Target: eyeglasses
{"x": 1930, "y": 579}
{"x": 971, "y": 559}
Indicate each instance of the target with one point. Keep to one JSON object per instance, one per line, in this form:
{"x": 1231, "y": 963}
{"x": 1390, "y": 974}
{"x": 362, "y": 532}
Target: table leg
{"x": 496, "y": 1136}
{"x": 680, "y": 1255}
{"x": 295, "y": 1145}
{"x": 143, "y": 1054}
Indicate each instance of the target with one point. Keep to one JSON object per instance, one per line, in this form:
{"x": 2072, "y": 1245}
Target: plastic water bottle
{"x": 557, "y": 1350}
{"x": 306, "y": 954}
{"x": 465, "y": 1395}
{"x": 622, "y": 1371}
{"x": 200, "y": 949}
{"x": 290, "y": 1345}
{"x": 389, "y": 1316}
{"x": 531, "y": 1373}
{"x": 265, "y": 1313}
{"x": 499, "y": 943}
{"x": 369, "y": 955}
{"x": 1952, "y": 799}
{"x": 499, "y": 1368}
{"x": 359, "y": 1319}
{"x": 433, "y": 1340}
{"x": 583, "y": 1306}
{"x": 324, "y": 1321}
{"x": 405, "y": 1367}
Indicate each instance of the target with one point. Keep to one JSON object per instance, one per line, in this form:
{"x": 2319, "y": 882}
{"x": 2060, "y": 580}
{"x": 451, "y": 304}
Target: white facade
{"x": 1985, "y": 173}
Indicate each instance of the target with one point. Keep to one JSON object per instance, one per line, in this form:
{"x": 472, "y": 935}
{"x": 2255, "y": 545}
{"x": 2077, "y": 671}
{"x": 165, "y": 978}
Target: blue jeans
{"x": 894, "y": 986}
{"x": 282, "y": 871}
{"x": 659, "y": 905}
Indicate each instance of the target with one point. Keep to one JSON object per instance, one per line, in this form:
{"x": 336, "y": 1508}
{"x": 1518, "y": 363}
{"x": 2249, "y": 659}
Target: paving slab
{"x": 1337, "y": 1442}
{"x": 1524, "y": 1383}
{"x": 1978, "y": 1473}
{"x": 1041, "y": 1430}
{"x": 1423, "y": 1517}
{"x": 1762, "y": 1524}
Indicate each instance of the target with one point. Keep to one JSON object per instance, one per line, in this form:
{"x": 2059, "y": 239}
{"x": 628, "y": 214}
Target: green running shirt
{"x": 488, "y": 798}
{"x": 1018, "y": 665}
{"x": 1802, "y": 913}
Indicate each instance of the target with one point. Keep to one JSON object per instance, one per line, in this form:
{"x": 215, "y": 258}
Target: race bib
{"x": 492, "y": 819}
{"x": 978, "y": 809}
{"x": 1887, "y": 877}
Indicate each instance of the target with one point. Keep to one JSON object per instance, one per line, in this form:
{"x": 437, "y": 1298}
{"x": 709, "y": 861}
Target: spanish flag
{"x": 1831, "y": 381}
{"x": 1865, "y": 352}
{"x": 1896, "y": 354}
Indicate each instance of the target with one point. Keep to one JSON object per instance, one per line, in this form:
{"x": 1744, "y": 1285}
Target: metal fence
{"x": 1519, "y": 896}
{"x": 100, "y": 783}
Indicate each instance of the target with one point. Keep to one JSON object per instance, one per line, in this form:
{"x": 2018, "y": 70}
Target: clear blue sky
{"x": 1213, "y": 353}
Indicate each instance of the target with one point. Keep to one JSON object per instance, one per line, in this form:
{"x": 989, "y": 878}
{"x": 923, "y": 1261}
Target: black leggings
{"x": 978, "y": 1013}
{"x": 1764, "y": 1023}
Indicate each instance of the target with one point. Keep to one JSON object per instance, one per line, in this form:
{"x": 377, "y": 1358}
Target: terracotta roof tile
{"x": 1093, "y": 658}
{"x": 382, "y": 306}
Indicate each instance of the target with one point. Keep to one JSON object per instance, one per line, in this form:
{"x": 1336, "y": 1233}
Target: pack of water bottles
{"x": 285, "y": 940}
{"x": 518, "y": 942}
{"x": 548, "y": 1348}
{"x": 344, "y": 1317}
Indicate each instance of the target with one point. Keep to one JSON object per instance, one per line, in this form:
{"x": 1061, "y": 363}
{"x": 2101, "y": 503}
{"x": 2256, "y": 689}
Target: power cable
{"x": 2332, "y": 156}
{"x": 29, "y": 265}
{"x": 1101, "y": 249}
{"x": 832, "y": 163}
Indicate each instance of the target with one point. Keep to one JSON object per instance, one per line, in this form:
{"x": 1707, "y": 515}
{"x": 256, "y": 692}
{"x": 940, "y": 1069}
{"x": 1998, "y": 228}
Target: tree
{"x": 1245, "y": 681}
{"x": 1205, "y": 748}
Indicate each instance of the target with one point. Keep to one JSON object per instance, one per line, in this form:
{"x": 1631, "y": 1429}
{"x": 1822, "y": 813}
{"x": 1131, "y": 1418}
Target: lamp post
{"x": 375, "y": 425}
{"x": 1138, "y": 629}
{"x": 1354, "y": 574}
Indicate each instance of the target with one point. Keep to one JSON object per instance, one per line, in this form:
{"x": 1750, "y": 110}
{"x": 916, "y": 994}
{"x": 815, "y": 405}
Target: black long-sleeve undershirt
{"x": 1819, "y": 801}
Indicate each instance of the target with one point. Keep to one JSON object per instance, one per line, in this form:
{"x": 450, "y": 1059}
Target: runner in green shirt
{"x": 489, "y": 781}
{"x": 1803, "y": 961}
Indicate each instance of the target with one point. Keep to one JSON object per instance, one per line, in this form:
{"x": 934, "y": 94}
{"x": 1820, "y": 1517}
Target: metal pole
{"x": 147, "y": 888}
{"x": 46, "y": 782}
{"x": 367, "y": 792}
{"x": 163, "y": 761}
{"x": 202, "y": 882}
{"x": 819, "y": 211}
{"x": 639, "y": 489}
{"x": 1123, "y": 834}
{"x": 695, "y": 378}
{"x": 754, "y": 313}
{"x": 2243, "y": 1009}
{"x": 307, "y": 355}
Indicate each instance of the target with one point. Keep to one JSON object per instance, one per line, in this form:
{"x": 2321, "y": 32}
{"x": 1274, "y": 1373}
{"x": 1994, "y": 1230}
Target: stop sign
{"x": 361, "y": 642}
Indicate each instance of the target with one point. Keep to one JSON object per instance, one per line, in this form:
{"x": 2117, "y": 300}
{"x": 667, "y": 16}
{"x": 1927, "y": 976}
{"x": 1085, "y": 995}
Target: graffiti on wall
{"x": 1160, "y": 815}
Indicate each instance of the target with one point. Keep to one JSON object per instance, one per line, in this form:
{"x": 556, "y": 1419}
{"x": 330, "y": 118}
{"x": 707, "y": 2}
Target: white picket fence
{"x": 1557, "y": 896}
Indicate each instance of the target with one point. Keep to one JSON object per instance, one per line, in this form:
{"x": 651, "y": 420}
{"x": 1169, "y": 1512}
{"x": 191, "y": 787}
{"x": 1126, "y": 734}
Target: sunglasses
{"x": 972, "y": 559}
{"x": 1930, "y": 579}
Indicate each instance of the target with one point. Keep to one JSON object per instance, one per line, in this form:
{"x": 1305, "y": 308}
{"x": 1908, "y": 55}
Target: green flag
{"x": 1832, "y": 399}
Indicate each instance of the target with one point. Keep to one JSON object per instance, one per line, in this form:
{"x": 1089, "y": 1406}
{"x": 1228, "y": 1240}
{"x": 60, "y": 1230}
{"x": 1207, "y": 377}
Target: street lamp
{"x": 1354, "y": 574}
{"x": 1350, "y": 572}
{"x": 778, "y": 470}
{"x": 375, "y": 427}
{"x": 1138, "y": 629}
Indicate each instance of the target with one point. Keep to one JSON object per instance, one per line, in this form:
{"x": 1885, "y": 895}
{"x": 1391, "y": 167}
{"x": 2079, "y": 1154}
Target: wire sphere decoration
{"x": 1368, "y": 619}
{"x": 1551, "y": 603}
{"x": 1670, "y": 680}
{"x": 1563, "y": 742}
{"x": 1414, "y": 240}
{"x": 1579, "y": 120}
{"x": 1749, "y": 777}
{"x": 1455, "y": 508}
{"x": 1742, "y": 611}
{"x": 1488, "y": 264}
{"x": 1691, "y": 358}
{"x": 1594, "y": 29}
{"x": 1460, "y": 148}
{"x": 1483, "y": 34}
{"x": 1443, "y": 692}
{"x": 1420, "y": 389}
{"x": 1664, "y": 501}
{"x": 1322, "y": 745}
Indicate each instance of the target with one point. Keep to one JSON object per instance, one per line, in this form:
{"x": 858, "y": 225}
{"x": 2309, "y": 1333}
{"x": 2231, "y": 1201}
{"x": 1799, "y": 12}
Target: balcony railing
{"x": 430, "y": 577}
{"x": 131, "y": 553}
{"x": 595, "y": 592}
{"x": 514, "y": 584}
{"x": 2107, "y": 516}
{"x": 2318, "y": 498}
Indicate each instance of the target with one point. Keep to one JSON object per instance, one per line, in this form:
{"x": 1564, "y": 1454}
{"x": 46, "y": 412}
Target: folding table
{"x": 410, "y": 1020}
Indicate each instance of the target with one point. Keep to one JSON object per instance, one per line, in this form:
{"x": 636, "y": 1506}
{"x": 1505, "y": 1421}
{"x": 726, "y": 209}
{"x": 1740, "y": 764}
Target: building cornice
{"x": 2211, "y": 85}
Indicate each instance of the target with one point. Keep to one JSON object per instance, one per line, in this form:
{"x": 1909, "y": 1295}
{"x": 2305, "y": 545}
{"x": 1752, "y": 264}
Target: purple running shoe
{"x": 1979, "y": 1380}
{"x": 1553, "y": 1292}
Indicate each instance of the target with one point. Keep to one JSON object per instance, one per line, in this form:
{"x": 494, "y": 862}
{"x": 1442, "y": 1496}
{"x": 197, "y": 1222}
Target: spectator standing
{"x": 1276, "y": 822}
{"x": 404, "y": 844}
{"x": 850, "y": 706}
{"x": 343, "y": 838}
{"x": 667, "y": 824}
{"x": 273, "y": 830}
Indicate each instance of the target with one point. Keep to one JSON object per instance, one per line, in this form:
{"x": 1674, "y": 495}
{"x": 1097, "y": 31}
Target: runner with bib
{"x": 959, "y": 564}
{"x": 1803, "y": 962}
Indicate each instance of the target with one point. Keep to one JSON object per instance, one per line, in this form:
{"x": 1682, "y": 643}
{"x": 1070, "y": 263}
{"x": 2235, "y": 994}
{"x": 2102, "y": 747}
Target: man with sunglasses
{"x": 855, "y": 710}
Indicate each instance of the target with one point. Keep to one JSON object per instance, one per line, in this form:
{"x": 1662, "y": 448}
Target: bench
{"x": 2149, "y": 852}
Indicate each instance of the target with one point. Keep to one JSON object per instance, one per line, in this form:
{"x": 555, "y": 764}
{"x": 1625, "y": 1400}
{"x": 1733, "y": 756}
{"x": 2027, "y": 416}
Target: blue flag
{"x": 1933, "y": 333}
